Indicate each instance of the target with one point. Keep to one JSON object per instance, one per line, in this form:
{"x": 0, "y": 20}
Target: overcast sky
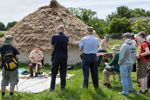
{"x": 15, "y": 10}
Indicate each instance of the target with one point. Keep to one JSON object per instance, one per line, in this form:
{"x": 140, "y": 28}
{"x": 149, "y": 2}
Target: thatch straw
{"x": 39, "y": 26}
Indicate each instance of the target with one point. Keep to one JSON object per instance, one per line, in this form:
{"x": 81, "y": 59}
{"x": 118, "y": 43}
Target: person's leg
{"x": 4, "y": 82}
{"x": 85, "y": 68}
{"x": 106, "y": 75}
{"x": 12, "y": 90}
{"x": 94, "y": 71}
{"x": 14, "y": 79}
{"x": 130, "y": 84}
{"x": 99, "y": 58}
{"x": 38, "y": 68}
{"x": 145, "y": 83}
{"x": 142, "y": 81}
{"x": 31, "y": 65}
{"x": 63, "y": 69}
{"x": 54, "y": 71}
{"x": 123, "y": 73}
{"x": 3, "y": 88}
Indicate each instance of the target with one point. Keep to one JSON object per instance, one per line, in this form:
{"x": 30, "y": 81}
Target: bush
{"x": 1, "y": 34}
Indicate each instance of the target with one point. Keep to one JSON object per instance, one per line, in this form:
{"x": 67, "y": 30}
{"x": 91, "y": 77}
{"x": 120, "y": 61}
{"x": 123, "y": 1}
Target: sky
{"x": 15, "y": 10}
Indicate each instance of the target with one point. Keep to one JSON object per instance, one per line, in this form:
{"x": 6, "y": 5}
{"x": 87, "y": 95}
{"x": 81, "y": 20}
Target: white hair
{"x": 61, "y": 27}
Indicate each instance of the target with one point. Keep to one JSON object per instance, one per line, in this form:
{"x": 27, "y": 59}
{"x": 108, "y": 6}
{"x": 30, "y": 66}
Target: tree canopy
{"x": 2, "y": 26}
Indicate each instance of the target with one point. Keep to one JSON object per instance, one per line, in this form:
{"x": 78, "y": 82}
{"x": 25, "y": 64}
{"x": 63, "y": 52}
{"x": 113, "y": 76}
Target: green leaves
{"x": 141, "y": 25}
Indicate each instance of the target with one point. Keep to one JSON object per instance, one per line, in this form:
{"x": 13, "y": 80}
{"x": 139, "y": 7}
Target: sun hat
{"x": 90, "y": 30}
{"x": 107, "y": 37}
{"x": 8, "y": 40}
{"x": 116, "y": 47}
{"x": 128, "y": 35}
{"x": 37, "y": 46}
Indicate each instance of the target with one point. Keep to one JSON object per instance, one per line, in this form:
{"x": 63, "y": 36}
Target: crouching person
{"x": 36, "y": 56}
{"x": 9, "y": 69}
{"x": 114, "y": 64}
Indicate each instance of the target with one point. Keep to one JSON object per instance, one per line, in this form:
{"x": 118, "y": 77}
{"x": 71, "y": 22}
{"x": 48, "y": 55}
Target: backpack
{"x": 11, "y": 62}
{"x": 147, "y": 56}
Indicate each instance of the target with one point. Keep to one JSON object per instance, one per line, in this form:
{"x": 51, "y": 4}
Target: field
{"x": 3, "y": 31}
{"x": 74, "y": 90}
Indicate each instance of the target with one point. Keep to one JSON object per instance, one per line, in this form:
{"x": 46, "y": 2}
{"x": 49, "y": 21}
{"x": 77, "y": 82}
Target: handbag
{"x": 109, "y": 68}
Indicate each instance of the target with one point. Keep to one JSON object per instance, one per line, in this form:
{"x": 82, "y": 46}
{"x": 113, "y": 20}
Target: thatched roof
{"x": 39, "y": 26}
{"x": 137, "y": 18}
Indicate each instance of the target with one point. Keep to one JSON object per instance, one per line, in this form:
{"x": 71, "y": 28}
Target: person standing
{"x": 102, "y": 48}
{"x": 89, "y": 46}
{"x": 12, "y": 75}
{"x": 126, "y": 61}
{"x": 142, "y": 62}
{"x": 59, "y": 42}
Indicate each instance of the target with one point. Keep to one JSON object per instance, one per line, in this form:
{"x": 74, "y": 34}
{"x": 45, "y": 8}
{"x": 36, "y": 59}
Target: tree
{"x": 109, "y": 17}
{"x": 11, "y": 24}
{"x": 141, "y": 25}
{"x": 84, "y": 14}
{"x": 2, "y": 26}
{"x": 119, "y": 25}
{"x": 123, "y": 11}
{"x": 88, "y": 17}
{"x": 98, "y": 25}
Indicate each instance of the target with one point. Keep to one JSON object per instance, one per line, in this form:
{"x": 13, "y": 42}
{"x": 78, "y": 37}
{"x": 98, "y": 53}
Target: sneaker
{"x": 31, "y": 75}
{"x": 109, "y": 86}
{"x": 123, "y": 93}
{"x": 106, "y": 85}
{"x": 36, "y": 74}
{"x": 139, "y": 85}
{"x": 146, "y": 91}
{"x": 140, "y": 92}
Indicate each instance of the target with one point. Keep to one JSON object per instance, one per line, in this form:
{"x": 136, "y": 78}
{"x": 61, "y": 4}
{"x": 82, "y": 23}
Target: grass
{"x": 3, "y": 31}
{"x": 74, "y": 90}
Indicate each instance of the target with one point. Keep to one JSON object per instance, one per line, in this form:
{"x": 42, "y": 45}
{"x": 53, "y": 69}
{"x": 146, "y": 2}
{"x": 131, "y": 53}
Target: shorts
{"x": 141, "y": 69}
{"x": 9, "y": 77}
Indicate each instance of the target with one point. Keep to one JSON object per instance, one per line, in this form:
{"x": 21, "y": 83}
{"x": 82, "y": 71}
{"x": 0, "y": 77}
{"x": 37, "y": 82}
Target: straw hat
{"x": 116, "y": 47}
{"x": 8, "y": 40}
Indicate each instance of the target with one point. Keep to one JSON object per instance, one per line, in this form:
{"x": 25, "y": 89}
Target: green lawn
{"x": 74, "y": 90}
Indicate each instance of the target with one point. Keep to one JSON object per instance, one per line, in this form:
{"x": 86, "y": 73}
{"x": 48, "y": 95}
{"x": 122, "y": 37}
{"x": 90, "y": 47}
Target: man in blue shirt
{"x": 89, "y": 46}
{"x": 59, "y": 57}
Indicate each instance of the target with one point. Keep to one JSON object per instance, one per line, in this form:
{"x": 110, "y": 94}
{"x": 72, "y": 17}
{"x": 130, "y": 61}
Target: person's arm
{"x": 114, "y": 60}
{"x": 52, "y": 43}
{"x": 17, "y": 57}
{"x": 81, "y": 44}
{"x": 146, "y": 48}
{"x": 16, "y": 53}
{"x": 41, "y": 58}
{"x": 101, "y": 44}
{"x": 122, "y": 54}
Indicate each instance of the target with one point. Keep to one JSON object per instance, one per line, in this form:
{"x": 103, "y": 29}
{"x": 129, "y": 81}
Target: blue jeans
{"x": 125, "y": 72}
